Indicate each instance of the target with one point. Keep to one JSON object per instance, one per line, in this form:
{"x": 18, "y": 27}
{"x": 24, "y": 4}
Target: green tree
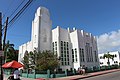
{"x": 108, "y": 56}
{"x": 25, "y": 60}
{"x": 46, "y": 60}
{"x": 42, "y": 60}
{"x": 10, "y": 53}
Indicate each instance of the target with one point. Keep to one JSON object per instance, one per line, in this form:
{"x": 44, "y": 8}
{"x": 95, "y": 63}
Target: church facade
{"x": 74, "y": 47}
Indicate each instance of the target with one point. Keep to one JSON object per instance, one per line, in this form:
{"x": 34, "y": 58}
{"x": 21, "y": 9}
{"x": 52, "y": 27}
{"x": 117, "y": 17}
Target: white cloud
{"x": 109, "y": 42}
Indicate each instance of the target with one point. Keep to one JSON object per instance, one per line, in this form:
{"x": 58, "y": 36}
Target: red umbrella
{"x": 12, "y": 64}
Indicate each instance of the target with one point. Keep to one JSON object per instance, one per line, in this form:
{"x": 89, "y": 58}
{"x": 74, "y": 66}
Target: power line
{"x": 20, "y": 12}
{"x": 8, "y": 8}
{"x": 17, "y": 8}
{"x": 18, "y": 35}
{"x": 19, "y": 17}
{"x": 11, "y": 22}
{"x": 12, "y": 12}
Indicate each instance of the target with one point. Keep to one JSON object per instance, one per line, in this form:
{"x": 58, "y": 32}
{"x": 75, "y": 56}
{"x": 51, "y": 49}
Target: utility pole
{"x": 1, "y": 74}
{"x": 5, "y": 32}
{"x": 0, "y": 31}
{"x": 4, "y": 39}
{"x": 2, "y": 58}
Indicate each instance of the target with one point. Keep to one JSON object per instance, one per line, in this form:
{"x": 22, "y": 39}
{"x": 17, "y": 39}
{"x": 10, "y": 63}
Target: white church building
{"x": 74, "y": 47}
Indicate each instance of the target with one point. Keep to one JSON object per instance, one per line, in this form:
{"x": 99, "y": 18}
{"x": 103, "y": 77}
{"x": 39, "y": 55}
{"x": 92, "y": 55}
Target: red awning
{"x": 12, "y": 64}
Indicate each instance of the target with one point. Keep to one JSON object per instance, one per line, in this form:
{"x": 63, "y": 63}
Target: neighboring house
{"x": 116, "y": 59}
{"x": 74, "y": 47}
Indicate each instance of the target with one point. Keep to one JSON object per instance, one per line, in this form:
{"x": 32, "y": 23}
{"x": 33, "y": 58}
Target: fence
{"x": 51, "y": 74}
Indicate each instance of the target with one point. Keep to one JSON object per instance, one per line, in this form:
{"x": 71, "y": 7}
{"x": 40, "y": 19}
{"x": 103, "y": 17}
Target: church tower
{"x": 41, "y": 36}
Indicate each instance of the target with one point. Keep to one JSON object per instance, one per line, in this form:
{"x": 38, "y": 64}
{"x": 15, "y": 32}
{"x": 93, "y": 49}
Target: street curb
{"x": 96, "y": 74}
{"x": 77, "y": 77}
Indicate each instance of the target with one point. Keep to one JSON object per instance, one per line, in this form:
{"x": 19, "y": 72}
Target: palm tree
{"x": 108, "y": 56}
{"x": 10, "y": 52}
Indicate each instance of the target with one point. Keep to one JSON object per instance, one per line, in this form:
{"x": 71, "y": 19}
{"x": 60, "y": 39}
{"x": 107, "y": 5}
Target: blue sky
{"x": 99, "y": 17}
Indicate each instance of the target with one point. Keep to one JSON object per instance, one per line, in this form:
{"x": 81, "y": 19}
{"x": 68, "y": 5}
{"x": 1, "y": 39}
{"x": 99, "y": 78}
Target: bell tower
{"x": 41, "y": 30}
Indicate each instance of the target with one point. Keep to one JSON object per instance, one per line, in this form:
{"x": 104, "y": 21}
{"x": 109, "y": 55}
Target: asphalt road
{"x": 109, "y": 76}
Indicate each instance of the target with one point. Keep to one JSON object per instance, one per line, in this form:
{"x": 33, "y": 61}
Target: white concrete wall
{"x": 35, "y": 32}
{"x": 81, "y": 44}
{"x": 88, "y": 38}
{"x": 41, "y": 33}
{"x": 45, "y": 33}
{"x": 74, "y": 42}
{"x": 58, "y": 35}
{"x": 42, "y": 37}
{"x": 56, "y": 38}
{"x": 78, "y": 40}
{"x": 23, "y": 48}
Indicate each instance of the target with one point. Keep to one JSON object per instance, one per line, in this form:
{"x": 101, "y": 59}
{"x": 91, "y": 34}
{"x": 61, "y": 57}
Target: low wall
{"x": 50, "y": 74}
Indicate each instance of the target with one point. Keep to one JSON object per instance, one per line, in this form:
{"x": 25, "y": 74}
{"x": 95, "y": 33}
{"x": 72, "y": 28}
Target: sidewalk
{"x": 22, "y": 78}
{"x": 75, "y": 77}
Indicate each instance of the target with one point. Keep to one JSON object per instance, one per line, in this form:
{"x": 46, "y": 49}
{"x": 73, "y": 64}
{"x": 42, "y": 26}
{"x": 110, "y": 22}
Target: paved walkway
{"x": 75, "y": 77}
{"x": 22, "y": 78}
